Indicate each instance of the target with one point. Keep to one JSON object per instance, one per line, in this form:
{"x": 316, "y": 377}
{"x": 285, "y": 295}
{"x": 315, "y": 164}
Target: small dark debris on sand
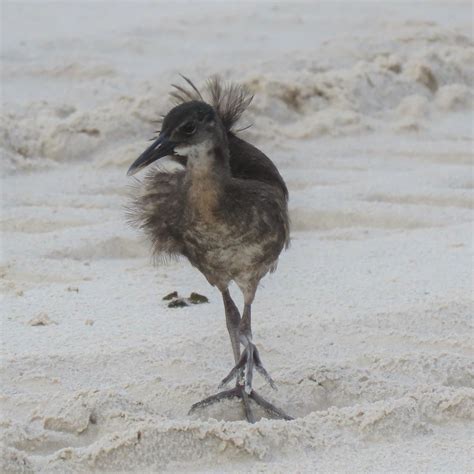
{"x": 170, "y": 296}
{"x": 196, "y": 298}
{"x": 176, "y": 301}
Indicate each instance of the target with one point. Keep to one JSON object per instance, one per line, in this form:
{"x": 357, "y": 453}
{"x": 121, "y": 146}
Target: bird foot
{"x": 239, "y": 391}
{"x": 249, "y": 359}
{"x": 243, "y": 372}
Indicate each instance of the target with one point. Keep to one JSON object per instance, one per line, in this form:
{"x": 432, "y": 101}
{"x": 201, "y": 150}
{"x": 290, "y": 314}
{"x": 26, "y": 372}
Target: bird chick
{"x": 226, "y": 212}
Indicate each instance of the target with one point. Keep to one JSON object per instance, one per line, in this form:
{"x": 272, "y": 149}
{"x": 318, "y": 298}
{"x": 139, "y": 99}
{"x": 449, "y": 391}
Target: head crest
{"x": 229, "y": 100}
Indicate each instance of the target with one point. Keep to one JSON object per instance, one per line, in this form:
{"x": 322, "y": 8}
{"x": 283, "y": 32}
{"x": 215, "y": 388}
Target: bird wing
{"x": 248, "y": 162}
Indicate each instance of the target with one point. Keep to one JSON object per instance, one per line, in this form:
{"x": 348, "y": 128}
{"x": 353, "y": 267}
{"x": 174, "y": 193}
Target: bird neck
{"x": 207, "y": 161}
{"x": 207, "y": 171}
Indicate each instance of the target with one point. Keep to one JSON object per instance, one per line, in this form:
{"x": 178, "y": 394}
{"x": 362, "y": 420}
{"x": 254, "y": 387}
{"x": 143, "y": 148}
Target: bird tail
{"x": 230, "y": 100}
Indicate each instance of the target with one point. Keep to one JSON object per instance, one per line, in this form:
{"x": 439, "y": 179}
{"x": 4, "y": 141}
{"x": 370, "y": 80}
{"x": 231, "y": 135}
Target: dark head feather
{"x": 229, "y": 100}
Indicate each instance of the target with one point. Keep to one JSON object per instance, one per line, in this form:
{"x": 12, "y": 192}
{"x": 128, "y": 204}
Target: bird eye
{"x": 188, "y": 128}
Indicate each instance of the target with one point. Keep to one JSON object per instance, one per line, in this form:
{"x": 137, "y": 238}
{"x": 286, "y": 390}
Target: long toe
{"x": 261, "y": 369}
{"x": 236, "y": 392}
{"x": 235, "y": 372}
{"x": 271, "y": 409}
{"x": 239, "y": 391}
{"x": 226, "y": 394}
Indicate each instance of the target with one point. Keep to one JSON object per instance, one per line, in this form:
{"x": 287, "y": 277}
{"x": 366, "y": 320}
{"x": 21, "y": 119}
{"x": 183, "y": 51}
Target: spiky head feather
{"x": 228, "y": 99}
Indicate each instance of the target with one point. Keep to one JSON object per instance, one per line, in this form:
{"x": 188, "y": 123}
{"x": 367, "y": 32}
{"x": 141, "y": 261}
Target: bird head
{"x": 185, "y": 127}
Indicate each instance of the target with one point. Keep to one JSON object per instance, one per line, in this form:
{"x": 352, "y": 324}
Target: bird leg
{"x": 240, "y": 332}
{"x": 250, "y": 357}
{"x": 232, "y": 316}
{"x": 249, "y": 360}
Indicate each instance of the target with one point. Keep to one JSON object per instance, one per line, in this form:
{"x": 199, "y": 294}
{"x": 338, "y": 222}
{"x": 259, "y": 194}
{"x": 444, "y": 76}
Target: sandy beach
{"x": 366, "y": 327}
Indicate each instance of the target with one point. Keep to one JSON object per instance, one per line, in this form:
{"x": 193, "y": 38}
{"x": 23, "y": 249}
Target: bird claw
{"x": 249, "y": 359}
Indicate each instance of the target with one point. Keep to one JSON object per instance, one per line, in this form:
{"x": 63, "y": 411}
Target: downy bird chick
{"x": 226, "y": 212}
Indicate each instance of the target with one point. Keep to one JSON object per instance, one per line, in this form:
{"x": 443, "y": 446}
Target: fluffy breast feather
{"x": 156, "y": 208}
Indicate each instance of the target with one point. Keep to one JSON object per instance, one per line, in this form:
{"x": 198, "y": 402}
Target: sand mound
{"x": 417, "y": 73}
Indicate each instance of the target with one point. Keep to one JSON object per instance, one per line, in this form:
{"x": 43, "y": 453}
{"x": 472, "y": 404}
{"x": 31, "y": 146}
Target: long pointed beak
{"x": 158, "y": 149}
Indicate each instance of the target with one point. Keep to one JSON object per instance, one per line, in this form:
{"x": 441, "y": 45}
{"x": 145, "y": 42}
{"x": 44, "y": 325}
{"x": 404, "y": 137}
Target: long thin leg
{"x": 246, "y": 324}
{"x": 233, "y": 320}
{"x": 232, "y": 317}
{"x": 245, "y": 330}
{"x": 250, "y": 359}
{"x": 240, "y": 331}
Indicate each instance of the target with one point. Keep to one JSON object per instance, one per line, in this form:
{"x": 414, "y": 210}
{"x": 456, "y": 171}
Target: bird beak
{"x": 158, "y": 149}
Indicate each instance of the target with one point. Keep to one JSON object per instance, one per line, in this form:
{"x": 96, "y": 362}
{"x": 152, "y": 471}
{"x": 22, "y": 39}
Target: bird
{"x": 225, "y": 210}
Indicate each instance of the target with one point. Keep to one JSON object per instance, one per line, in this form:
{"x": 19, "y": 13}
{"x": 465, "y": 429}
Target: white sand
{"x": 367, "y": 324}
